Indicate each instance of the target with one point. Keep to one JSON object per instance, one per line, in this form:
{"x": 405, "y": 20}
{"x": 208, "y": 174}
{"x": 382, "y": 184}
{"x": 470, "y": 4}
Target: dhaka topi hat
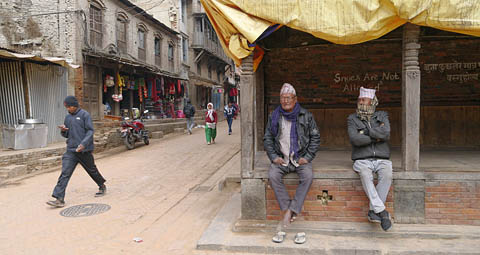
{"x": 368, "y": 93}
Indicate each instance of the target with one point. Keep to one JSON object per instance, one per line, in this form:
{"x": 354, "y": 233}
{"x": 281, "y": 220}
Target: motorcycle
{"x": 133, "y": 131}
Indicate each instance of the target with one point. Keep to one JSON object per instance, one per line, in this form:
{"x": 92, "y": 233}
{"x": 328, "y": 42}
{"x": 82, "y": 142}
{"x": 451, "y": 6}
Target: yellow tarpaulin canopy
{"x": 240, "y": 22}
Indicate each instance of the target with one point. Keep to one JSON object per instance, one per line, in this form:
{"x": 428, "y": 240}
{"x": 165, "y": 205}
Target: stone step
{"x": 50, "y": 160}
{"x": 334, "y": 237}
{"x": 163, "y": 121}
{"x": 13, "y": 170}
{"x": 166, "y": 127}
{"x": 156, "y": 134}
{"x": 179, "y": 130}
{"x": 3, "y": 174}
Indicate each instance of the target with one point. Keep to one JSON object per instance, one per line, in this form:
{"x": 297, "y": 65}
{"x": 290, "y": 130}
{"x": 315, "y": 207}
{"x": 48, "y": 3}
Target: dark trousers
{"x": 229, "y": 121}
{"x": 69, "y": 162}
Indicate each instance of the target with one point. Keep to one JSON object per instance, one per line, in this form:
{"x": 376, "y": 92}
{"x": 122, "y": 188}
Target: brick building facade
{"x": 444, "y": 188}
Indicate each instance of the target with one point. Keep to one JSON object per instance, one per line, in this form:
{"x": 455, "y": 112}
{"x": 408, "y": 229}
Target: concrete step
{"x": 335, "y": 237}
{"x": 11, "y": 171}
{"x": 156, "y": 134}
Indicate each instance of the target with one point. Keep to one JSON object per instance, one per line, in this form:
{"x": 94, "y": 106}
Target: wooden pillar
{"x": 259, "y": 107}
{"x": 247, "y": 86}
{"x": 410, "y": 98}
{"x": 409, "y": 193}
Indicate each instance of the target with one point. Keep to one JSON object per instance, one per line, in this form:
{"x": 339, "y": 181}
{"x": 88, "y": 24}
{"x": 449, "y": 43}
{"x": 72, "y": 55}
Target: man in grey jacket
{"x": 78, "y": 129}
{"x": 291, "y": 141}
{"x": 369, "y": 132}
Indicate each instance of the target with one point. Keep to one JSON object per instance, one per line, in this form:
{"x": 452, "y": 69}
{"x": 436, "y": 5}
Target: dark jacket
{"x": 308, "y": 136}
{"x": 80, "y": 130}
{"x": 373, "y": 143}
{"x": 189, "y": 110}
{"x": 229, "y": 114}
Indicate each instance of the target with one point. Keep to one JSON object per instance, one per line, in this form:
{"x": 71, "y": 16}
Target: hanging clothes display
{"x": 150, "y": 88}
{"x": 182, "y": 93}
{"x": 109, "y": 82}
{"x": 121, "y": 83}
{"x": 171, "y": 87}
{"x": 162, "y": 85}
{"x": 179, "y": 88}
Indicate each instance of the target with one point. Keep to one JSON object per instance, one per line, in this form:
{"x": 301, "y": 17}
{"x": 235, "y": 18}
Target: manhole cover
{"x": 84, "y": 210}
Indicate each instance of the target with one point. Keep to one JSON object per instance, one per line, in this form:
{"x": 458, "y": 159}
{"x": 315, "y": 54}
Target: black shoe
{"x": 101, "y": 191}
{"x": 373, "y": 217}
{"x": 56, "y": 203}
{"x": 386, "y": 222}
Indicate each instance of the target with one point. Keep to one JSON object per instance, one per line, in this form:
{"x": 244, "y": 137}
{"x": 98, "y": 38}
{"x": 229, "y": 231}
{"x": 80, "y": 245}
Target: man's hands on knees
{"x": 278, "y": 161}
{"x": 302, "y": 161}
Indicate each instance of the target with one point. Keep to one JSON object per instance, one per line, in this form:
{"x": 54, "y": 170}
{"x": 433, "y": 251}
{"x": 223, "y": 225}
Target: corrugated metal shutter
{"x": 47, "y": 85}
{"x": 12, "y": 102}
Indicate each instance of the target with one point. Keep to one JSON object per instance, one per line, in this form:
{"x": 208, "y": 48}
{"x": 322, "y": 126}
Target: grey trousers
{"x": 190, "y": 123}
{"x": 305, "y": 174}
{"x": 377, "y": 195}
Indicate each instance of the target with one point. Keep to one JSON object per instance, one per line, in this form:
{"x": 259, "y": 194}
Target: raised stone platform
{"x": 445, "y": 191}
{"x": 228, "y": 234}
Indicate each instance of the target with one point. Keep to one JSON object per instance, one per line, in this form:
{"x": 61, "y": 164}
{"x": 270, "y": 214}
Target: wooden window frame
{"x": 158, "y": 50}
{"x": 142, "y": 51}
{"x": 122, "y": 43}
{"x": 96, "y": 25}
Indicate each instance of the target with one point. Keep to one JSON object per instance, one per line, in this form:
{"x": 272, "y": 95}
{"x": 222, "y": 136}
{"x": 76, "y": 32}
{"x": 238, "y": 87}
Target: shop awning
{"x": 60, "y": 61}
{"x": 202, "y": 83}
{"x": 239, "y": 23}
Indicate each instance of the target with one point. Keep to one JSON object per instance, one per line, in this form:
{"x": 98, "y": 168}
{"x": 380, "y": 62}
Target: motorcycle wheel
{"x": 146, "y": 141}
{"x": 129, "y": 141}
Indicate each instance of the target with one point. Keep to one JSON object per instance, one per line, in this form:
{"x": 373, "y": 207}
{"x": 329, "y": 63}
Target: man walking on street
{"x": 189, "y": 111}
{"x": 369, "y": 132}
{"x": 78, "y": 129}
{"x": 291, "y": 141}
{"x": 229, "y": 112}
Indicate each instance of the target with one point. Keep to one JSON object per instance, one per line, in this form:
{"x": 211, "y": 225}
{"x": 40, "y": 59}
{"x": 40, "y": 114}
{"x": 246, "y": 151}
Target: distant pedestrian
{"x": 229, "y": 112}
{"x": 189, "y": 111}
{"x": 78, "y": 129}
{"x": 210, "y": 124}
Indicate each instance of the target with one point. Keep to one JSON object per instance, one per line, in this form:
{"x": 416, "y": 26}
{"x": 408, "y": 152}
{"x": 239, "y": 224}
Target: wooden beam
{"x": 247, "y": 87}
{"x": 410, "y": 98}
{"x": 26, "y": 92}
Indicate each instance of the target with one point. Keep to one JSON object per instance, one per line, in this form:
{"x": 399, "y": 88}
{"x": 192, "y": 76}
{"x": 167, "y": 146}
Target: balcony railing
{"x": 197, "y": 8}
{"x": 202, "y": 41}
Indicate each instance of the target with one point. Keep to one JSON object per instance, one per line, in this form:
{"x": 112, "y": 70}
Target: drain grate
{"x": 85, "y": 210}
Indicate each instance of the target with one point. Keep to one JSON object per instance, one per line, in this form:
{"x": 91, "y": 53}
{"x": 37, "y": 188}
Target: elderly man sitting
{"x": 369, "y": 132}
{"x": 291, "y": 141}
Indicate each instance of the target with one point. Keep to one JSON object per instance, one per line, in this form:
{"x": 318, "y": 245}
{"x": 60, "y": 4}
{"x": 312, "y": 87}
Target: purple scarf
{"x": 292, "y": 117}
